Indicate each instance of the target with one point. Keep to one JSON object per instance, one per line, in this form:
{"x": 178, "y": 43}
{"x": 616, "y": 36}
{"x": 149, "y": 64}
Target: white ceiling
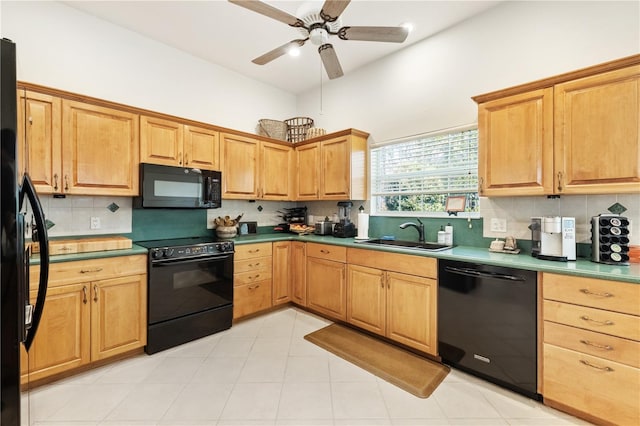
{"x": 231, "y": 36}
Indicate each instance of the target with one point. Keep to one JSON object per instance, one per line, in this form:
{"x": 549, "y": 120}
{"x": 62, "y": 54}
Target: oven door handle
{"x": 169, "y": 262}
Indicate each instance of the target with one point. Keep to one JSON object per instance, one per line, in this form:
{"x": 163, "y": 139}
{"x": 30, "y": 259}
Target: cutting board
{"x": 85, "y": 245}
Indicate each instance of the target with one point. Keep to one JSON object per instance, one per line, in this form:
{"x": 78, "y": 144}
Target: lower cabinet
{"x": 298, "y": 273}
{"x": 591, "y": 361}
{"x": 88, "y": 315}
{"x": 252, "y": 279}
{"x": 281, "y": 292}
{"x": 397, "y": 305}
{"x": 326, "y": 280}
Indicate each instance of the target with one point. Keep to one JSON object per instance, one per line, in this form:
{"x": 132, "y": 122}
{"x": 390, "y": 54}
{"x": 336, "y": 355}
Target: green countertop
{"x": 580, "y": 267}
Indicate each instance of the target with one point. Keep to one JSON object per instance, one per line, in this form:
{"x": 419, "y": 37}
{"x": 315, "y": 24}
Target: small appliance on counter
{"x": 553, "y": 238}
{"x": 291, "y": 216}
{"x": 324, "y": 227}
{"x": 610, "y": 239}
{"x": 344, "y": 228}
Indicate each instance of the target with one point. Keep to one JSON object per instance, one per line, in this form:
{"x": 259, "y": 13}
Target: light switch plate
{"x": 498, "y": 224}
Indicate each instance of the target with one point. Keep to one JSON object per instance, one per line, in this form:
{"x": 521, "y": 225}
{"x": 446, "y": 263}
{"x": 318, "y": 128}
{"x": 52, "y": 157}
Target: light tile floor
{"x": 262, "y": 372}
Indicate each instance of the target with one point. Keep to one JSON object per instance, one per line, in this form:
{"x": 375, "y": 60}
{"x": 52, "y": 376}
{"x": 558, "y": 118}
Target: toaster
{"x": 324, "y": 228}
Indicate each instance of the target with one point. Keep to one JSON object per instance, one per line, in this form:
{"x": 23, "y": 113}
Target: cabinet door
{"x": 239, "y": 164}
{"x": 308, "y": 171}
{"x": 298, "y": 270}
{"x": 515, "y": 146}
{"x": 281, "y": 286}
{"x": 39, "y": 140}
{"x": 201, "y": 148}
{"x": 161, "y": 141}
{"x": 335, "y": 169}
{"x": 597, "y": 139}
{"x": 366, "y": 298}
{"x": 275, "y": 171}
{"x": 118, "y": 316}
{"x": 326, "y": 287}
{"x": 99, "y": 150}
{"x": 62, "y": 341}
{"x": 411, "y": 311}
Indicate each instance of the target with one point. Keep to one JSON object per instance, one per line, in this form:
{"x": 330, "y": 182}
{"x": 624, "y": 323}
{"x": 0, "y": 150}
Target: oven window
{"x": 185, "y": 287}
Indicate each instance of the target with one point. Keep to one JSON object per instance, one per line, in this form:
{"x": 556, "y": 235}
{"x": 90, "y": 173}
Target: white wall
{"x": 60, "y": 47}
{"x": 428, "y": 86}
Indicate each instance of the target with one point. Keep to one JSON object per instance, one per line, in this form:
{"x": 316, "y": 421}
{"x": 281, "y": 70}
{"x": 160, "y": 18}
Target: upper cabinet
{"x": 99, "y": 150}
{"x": 72, "y": 147}
{"x": 333, "y": 168}
{"x": 255, "y": 169}
{"x": 172, "y": 143}
{"x": 577, "y": 133}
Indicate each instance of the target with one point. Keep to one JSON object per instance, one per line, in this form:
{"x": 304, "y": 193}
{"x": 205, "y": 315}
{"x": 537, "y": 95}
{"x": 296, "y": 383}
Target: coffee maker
{"x": 344, "y": 228}
{"x": 553, "y": 238}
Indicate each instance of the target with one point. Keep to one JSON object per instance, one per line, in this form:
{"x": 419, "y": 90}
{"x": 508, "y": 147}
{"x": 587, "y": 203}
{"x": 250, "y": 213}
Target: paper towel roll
{"x": 363, "y": 226}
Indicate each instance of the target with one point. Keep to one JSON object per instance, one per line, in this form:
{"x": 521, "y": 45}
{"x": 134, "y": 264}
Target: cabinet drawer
{"x": 601, "y": 388}
{"x": 327, "y": 251}
{"x": 63, "y": 273}
{"x": 254, "y": 264}
{"x": 613, "y": 323}
{"x": 603, "y": 294}
{"x": 405, "y": 263}
{"x": 251, "y": 251}
{"x": 597, "y": 344}
{"x": 250, "y": 298}
{"x": 251, "y": 277}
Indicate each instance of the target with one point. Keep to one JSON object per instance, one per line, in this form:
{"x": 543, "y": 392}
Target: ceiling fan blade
{"x": 269, "y": 11}
{"x": 330, "y": 61}
{"x": 277, "y": 52}
{"x": 387, "y": 34}
{"x": 332, "y": 9}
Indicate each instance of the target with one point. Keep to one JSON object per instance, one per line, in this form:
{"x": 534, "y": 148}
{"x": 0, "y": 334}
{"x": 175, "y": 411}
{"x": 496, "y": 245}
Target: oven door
{"x": 179, "y": 287}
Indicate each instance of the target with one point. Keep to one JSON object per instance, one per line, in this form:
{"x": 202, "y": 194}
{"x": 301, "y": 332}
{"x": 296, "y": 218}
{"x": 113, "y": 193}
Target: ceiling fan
{"x": 317, "y": 27}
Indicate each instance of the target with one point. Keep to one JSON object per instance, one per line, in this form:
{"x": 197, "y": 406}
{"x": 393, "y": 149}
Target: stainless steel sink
{"x": 408, "y": 244}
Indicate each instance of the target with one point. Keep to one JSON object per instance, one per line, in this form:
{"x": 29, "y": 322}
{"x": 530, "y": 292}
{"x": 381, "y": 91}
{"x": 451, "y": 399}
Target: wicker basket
{"x": 272, "y": 129}
{"x": 297, "y": 128}
{"x": 315, "y": 132}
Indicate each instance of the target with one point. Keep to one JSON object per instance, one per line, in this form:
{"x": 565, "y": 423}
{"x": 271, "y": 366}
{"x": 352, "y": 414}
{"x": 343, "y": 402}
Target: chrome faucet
{"x": 420, "y": 229}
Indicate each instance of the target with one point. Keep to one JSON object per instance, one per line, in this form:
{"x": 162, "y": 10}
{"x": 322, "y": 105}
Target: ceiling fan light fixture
{"x": 294, "y": 51}
{"x": 318, "y": 36}
{"x": 408, "y": 26}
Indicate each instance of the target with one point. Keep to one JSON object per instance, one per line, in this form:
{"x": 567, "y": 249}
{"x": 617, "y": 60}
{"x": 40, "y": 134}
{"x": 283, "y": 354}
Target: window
{"x": 417, "y": 174}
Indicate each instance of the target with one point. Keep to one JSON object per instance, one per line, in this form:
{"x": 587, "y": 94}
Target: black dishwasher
{"x": 487, "y": 323}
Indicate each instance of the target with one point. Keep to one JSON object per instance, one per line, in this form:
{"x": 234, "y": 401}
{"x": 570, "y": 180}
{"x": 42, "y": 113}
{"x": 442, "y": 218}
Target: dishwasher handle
{"x": 470, "y": 272}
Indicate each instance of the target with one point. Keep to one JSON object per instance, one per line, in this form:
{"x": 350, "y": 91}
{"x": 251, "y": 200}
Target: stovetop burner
{"x": 173, "y": 242}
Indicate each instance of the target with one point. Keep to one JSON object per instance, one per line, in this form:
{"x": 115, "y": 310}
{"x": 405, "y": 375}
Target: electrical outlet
{"x": 498, "y": 224}
{"x": 95, "y": 222}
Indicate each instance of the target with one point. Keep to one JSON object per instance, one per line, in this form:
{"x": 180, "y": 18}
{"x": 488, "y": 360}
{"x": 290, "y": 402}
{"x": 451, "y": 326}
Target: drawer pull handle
{"x": 84, "y": 294}
{"x": 592, "y": 293}
{"x": 254, "y": 251}
{"x": 95, "y": 293}
{"x": 586, "y": 318}
{"x": 254, "y": 287}
{"x": 86, "y": 271}
{"x": 325, "y": 251}
{"x": 253, "y": 265}
{"x": 254, "y": 277}
{"x": 597, "y": 367}
{"x": 596, "y": 345}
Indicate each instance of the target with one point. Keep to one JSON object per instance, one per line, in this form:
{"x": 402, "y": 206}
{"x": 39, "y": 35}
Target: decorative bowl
{"x": 226, "y": 232}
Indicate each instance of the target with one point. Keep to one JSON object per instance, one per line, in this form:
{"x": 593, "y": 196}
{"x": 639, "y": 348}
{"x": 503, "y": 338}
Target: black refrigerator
{"x": 19, "y": 313}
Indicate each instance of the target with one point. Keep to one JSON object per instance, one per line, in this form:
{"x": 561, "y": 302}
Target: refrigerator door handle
{"x": 29, "y": 190}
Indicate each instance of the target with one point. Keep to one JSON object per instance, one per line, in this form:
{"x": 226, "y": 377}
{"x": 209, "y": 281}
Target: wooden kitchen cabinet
{"x": 252, "y": 279}
{"x": 333, "y": 168}
{"x": 281, "y": 272}
{"x": 326, "y": 280}
{"x": 40, "y": 140}
{"x": 172, "y": 143}
{"x": 255, "y": 169}
{"x": 591, "y": 348}
{"x": 395, "y": 296}
{"x": 576, "y": 133}
{"x": 299, "y": 273}
{"x": 99, "y": 150}
{"x": 94, "y": 310}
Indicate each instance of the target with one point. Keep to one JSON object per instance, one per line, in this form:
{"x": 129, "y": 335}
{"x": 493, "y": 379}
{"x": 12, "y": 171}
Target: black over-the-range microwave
{"x": 178, "y": 187}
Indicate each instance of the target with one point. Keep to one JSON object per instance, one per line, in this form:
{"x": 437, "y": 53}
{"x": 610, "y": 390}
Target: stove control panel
{"x": 196, "y": 250}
